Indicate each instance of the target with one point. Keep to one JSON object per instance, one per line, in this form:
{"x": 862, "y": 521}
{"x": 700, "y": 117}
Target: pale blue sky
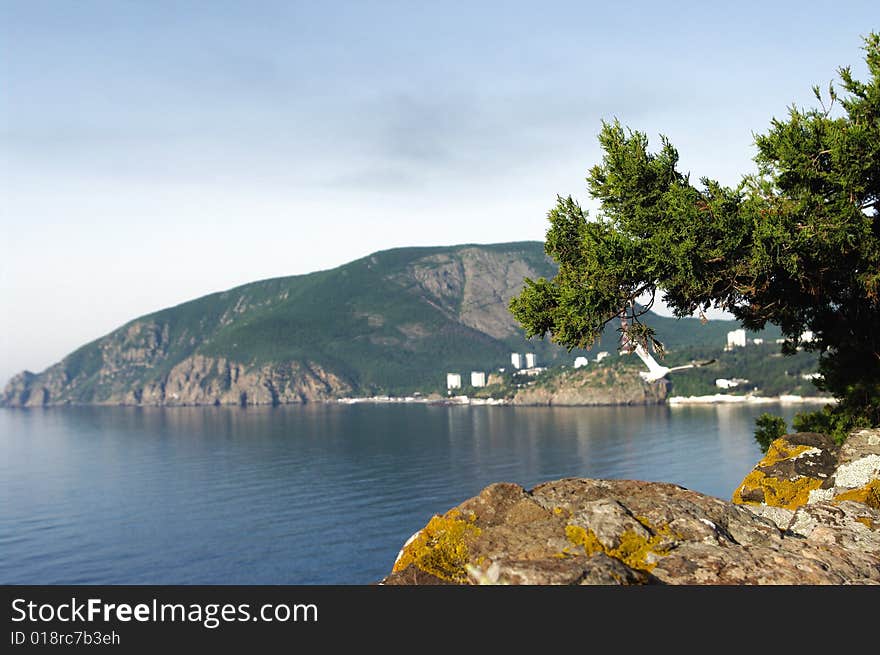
{"x": 152, "y": 152}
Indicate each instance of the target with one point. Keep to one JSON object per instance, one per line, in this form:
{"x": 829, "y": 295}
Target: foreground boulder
{"x": 806, "y": 469}
{"x": 584, "y": 531}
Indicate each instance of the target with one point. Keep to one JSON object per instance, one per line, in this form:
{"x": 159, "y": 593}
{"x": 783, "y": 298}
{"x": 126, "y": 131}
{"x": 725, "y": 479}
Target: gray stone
{"x": 583, "y": 531}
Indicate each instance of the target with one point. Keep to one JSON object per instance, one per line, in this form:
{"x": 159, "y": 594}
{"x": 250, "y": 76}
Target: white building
{"x": 516, "y": 360}
{"x": 723, "y": 383}
{"x": 602, "y": 355}
{"x": 478, "y": 379}
{"x": 757, "y": 342}
{"x": 580, "y": 361}
{"x": 807, "y": 336}
{"x": 531, "y": 360}
{"x": 736, "y": 338}
{"x": 453, "y": 381}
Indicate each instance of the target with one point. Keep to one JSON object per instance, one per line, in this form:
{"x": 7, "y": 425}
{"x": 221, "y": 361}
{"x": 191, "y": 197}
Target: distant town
{"x": 527, "y": 364}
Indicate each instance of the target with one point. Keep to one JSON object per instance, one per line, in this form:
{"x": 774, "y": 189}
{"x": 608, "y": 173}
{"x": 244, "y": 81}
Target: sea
{"x": 317, "y": 494}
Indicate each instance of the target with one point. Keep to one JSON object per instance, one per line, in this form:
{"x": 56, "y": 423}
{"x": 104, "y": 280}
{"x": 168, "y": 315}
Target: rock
{"x": 810, "y": 469}
{"x": 584, "y": 531}
{"x": 809, "y": 513}
{"x": 794, "y": 466}
{"x": 597, "y": 386}
{"x": 19, "y": 389}
{"x": 196, "y": 380}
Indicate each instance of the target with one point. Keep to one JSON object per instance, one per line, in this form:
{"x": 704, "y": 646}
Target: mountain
{"x": 393, "y": 322}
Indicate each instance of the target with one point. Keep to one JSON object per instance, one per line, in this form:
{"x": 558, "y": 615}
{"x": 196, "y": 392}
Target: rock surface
{"x": 807, "y": 468}
{"x": 597, "y": 386}
{"x": 197, "y": 380}
{"x": 584, "y": 531}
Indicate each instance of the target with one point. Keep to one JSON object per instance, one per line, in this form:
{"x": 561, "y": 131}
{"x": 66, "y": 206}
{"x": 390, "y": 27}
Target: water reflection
{"x": 317, "y": 494}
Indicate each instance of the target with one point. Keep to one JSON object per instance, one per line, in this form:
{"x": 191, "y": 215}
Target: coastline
{"x": 423, "y": 400}
{"x": 673, "y": 401}
{"x": 723, "y": 399}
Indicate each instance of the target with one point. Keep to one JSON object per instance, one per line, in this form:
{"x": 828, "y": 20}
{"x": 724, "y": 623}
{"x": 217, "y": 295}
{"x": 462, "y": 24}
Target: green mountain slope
{"x": 393, "y": 322}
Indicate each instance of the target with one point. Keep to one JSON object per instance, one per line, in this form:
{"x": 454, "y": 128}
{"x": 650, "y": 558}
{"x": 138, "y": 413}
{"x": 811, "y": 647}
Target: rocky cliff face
{"x": 197, "y": 380}
{"x": 581, "y": 531}
{"x": 473, "y": 286}
{"x": 603, "y": 386}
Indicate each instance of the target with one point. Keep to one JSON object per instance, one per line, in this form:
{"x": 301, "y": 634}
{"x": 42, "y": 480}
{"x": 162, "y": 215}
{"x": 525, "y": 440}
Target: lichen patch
{"x": 442, "y": 548}
{"x": 859, "y": 472}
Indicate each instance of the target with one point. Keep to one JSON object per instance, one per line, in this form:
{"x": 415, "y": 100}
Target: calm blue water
{"x": 321, "y": 494}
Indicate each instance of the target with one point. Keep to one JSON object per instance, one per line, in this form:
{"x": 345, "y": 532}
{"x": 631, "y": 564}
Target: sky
{"x": 152, "y": 152}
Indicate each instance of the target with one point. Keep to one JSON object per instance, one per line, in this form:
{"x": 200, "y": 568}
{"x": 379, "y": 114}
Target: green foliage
{"x": 768, "y": 428}
{"x": 768, "y": 372}
{"x": 827, "y": 420}
{"x": 796, "y": 244}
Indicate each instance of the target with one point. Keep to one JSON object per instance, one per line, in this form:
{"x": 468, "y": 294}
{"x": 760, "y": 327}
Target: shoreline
{"x": 672, "y": 401}
{"x": 421, "y": 400}
{"x": 723, "y": 399}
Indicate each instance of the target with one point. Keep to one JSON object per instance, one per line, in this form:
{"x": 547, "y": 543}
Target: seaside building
{"x": 453, "y": 381}
{"x": 736, "y": 339}
{"x": 478, "y": 379}
{"x": 602, "y": 355}
{"x": 531, "y": 360}
{"x": 807, "y": 336}
{"x": 580, "y": 361}
{"x": 723, "y": 383}
{"x": 516, "y": 360}
{"x": 757, "y": 342}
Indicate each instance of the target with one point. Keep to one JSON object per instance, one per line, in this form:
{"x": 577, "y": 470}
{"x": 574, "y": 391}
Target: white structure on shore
{"x": 516, "y": 360}
{"x": 736, "y": 339}
{"x": 580, "y": 361}
{"x": 807, "y": 336}
{"x": 757, "y": 342}
{"x": 602, "y": 355}
{"x": 531, "y": 360}
{"x": 478, "y": 379}
{"x": 724, "y": 383}
{"x": 453, "y": 381}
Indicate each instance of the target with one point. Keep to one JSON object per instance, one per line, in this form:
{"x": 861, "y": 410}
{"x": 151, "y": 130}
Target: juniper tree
{"x": 795, "y": 244}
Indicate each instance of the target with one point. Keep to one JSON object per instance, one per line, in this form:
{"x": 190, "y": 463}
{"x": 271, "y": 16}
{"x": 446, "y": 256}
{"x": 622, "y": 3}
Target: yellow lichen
{"x": 559, "y": 511}
{"x": 751, "y": 481}
{"x": 778, "y": 492}
{"x": 442, "y": 547}
{"x": 789, "y": 494}
{"x": 781, "y": 450}
{"x": 633, "y": 549}
{"x": 865, "y": 520}
{"x": 647, "y": 523}
{"x": 869, "y": 494}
